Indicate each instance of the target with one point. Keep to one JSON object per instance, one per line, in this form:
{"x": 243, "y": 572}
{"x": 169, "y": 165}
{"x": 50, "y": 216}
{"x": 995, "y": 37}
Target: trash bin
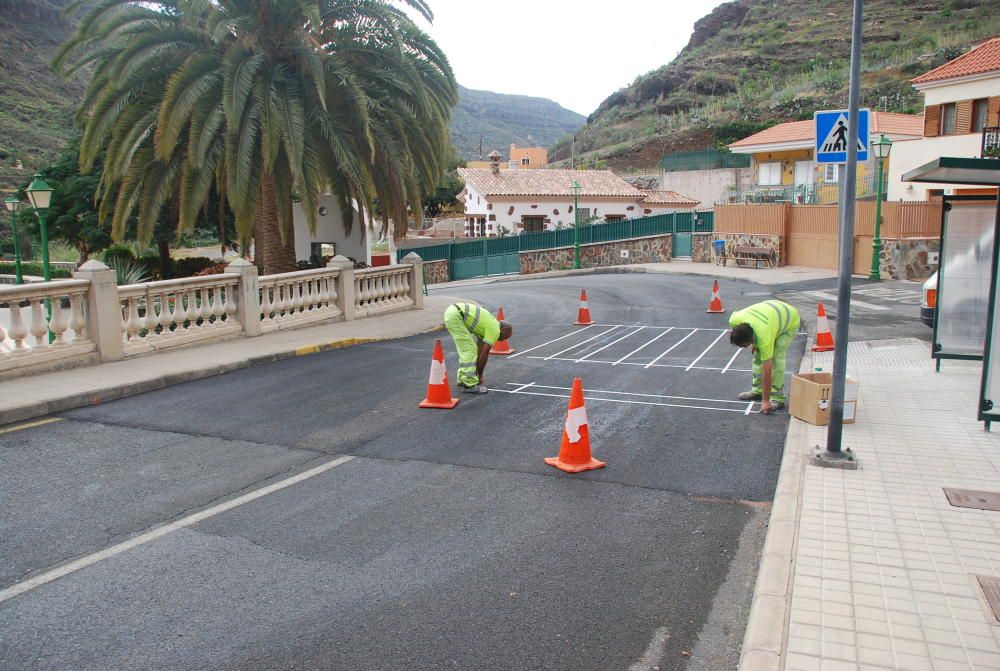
{"x": 720, "y": 250}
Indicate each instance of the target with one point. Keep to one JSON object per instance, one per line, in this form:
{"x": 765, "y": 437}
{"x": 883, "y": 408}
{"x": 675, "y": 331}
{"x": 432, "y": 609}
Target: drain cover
{"x": 967, "y": 498}
{"x": 991, "y": 589}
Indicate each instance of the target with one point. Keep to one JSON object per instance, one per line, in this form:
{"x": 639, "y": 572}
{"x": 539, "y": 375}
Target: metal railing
{"x": 816, "y": 193}
{"x": 991, "y": 142}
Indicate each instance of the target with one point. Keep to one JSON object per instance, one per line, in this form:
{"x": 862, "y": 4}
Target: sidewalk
{"x": 46, "y": 393}
{"x": 874, "y": 569}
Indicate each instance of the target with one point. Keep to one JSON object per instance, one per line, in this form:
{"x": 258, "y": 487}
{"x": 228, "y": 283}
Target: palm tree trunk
{"x": 271, "y": 254}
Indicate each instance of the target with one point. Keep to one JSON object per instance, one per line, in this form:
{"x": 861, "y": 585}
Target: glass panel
{"x": 964, "y": 278}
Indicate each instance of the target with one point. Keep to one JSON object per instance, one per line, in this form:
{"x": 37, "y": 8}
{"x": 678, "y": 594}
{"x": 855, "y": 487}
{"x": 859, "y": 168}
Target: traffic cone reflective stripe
{"x": 583, "y": 316}
{"x": 824, "y": 339}
{"x": 574, "y": 454}
{"x": 438, "y": 389}
{"x": 501, "y": 346}
{"x": 716, "y": 304}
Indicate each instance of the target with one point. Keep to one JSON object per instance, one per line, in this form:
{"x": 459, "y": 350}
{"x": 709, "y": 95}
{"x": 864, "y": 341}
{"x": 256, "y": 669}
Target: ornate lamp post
{"x": 40, "y": 195}
{"x": 575, "y": 188}
{"x": 12, "y": 204}
{"x": 882, "y": 148}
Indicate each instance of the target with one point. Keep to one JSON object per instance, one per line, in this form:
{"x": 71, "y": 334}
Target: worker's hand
{"x": 766, "y": 407}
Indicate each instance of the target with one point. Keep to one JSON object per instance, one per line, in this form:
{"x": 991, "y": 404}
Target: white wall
{"x": 708, "y": 186}
{"x": 330, "y": 228}
{"x": 909, "y": 154}
{"x": 475, "y": 204}
{"x": 549, "y": 208}
{"x": 982, "y": 88}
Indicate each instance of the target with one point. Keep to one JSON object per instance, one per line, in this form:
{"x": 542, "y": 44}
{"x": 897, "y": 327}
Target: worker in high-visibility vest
{"x": 768, "y": 328}
{"x": 474, "y": 331}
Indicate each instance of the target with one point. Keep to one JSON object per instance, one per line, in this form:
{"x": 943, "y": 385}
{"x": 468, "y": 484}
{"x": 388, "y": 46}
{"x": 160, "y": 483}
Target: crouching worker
{"x": 474, "y": 331}
{"x": 768, "y": 328}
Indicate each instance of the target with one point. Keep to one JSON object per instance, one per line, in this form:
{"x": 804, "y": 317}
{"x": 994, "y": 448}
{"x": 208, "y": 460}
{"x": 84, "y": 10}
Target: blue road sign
{"x": 831, "y": 135}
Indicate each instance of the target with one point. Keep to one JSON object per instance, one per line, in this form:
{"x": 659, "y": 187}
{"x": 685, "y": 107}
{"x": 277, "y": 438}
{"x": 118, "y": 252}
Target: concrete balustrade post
{"x": 247, "y": 296}
{"x": 104, "y": 314}
{"x": 416, "y": 279}
{"x": 345, "y": 285}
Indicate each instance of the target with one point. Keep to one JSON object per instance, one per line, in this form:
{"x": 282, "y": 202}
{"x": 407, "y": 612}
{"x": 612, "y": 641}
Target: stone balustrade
{"x": 93, "y": 319}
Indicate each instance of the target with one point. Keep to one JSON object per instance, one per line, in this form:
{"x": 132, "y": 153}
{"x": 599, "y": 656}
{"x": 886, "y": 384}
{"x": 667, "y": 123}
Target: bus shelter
{"x": 969, "y": 255}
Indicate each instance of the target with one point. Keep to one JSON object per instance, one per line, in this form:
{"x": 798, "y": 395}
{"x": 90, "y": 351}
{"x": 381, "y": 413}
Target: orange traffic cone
{"x": 824, "y": 339}
{"x": 574, "y": 455}
{"x": 501, "y": 346}
{"x": 583, "y": 316}
{"x": 716, "y": 304}
{"x": 438, "y": 389}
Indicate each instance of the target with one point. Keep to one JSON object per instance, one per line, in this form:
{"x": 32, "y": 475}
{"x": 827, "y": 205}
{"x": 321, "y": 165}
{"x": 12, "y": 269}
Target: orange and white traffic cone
{"x": 824, "y": 339}
{"x": 438, "y": 389}
{"x": 501, "y": 346}
{"x": 574, "y": 454}
{"x": 583, "y": 316}
{"x": 716, "y": 304}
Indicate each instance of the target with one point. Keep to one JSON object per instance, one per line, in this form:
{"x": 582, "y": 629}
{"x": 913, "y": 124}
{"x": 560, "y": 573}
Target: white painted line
{"x": 749, "y": 408}
{"x": 693, "y": 331}
{"x": 644, "y": 365}
{"x": 706, "y": 351}
{"x": 582, "y": 343}
{"x": 623, "y": 393}
{"x": 613, "y": 342}
{"x": 159, "y": 532}
{"x": 643, "y": 346}
{"x": 532, "y": 349}
{"x": 735, "y": 354}
{"x": 854, "y": 303}
{"x": 622, "y": 400}
{"x": 523, "y": 386}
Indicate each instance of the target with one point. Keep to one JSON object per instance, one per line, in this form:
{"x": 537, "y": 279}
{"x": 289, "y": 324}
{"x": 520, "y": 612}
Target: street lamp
{"x": 12, "y": 204}
{"x": 882, "y": 148}
{"x": 40, "y": 195}
{"x": 575, "y": 188}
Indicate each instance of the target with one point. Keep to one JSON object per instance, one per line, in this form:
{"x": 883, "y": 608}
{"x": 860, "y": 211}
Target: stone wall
{"x": 654, "y": 249}
{"x": 734, "y": 240}
{"x": 701, "y": 247}
{"x": 908, "y": 258}
{"x": 435, "y": 272}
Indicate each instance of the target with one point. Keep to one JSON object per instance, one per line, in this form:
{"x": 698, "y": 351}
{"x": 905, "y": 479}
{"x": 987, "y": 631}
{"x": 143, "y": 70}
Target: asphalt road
{"x": 445, "y": 541}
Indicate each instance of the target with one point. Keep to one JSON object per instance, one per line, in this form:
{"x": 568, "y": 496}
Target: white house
{"x": 330, "y": 235}
{"x": 961, "y": 98}
{"x": 501, "y": 202}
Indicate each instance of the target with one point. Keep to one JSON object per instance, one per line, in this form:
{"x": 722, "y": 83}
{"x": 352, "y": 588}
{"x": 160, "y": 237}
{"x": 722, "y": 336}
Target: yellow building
{"x": 784, "y": 164}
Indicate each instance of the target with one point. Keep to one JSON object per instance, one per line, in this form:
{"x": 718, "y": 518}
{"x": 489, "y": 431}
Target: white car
{"x": 928, "y": 302}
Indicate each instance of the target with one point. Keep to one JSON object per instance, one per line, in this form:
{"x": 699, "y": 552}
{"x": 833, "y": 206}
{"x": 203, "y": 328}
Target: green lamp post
{"x": 575, "y": 188}
{"x": 12, "y": 204}
{"x": 40, "y": 195}
{"x": 882, "y": 148}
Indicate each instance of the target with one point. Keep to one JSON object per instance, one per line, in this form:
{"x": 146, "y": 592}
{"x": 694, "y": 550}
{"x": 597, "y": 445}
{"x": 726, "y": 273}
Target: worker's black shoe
{"x": 474, "y": 389}
{"x": 749, "y": 396}
{"x": 777, "y": 405}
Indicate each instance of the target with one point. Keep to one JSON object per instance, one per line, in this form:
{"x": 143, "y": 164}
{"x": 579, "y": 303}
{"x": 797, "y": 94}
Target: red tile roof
{"x": 667, "y": 198}
{"x": 540, "y": 182}
{"x": 983, "y": 58}
{"x": 805, "y": 131}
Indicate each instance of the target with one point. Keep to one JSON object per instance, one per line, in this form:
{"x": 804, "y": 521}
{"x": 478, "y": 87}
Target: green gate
{"x": 683, "y": 227}
{"x": 502, "y": 257}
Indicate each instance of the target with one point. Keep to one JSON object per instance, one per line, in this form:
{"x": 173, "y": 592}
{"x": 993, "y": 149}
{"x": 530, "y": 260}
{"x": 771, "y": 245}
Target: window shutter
{"x": 932, "y": 120}
{"x": 993, "y": 117}
{"x": 963, "y": 116}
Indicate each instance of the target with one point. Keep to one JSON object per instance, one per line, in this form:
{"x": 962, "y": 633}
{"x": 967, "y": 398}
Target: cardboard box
{"x": 809, "y": 398}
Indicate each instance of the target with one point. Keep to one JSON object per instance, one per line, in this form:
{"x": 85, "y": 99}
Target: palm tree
{"x": 263, "y": 102}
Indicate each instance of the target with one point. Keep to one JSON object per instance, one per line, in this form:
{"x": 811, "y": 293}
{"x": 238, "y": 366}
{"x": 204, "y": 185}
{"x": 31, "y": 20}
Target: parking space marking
{"x": 641, "y": 347}
{"x": 604, "y": 333}
{"x": 735, "y": 354}
{"x": 644, "y": 365}
{"x": 693, "y": 331}
{"x": 705, "y": 352}
{"x": 635, "y": 398}
{"x": 532, "y": 349}
{"x": 613, "y": 342}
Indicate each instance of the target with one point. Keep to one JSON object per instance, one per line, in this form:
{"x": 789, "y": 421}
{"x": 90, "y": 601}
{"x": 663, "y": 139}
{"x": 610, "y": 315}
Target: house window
{"x": 769, "y": 173}
{"x": 614, "y": 217}
{"x": 831, "y": 172}
{"x": 532, "y": 224}
{"x": 980, "y": 110}
{"x": 948, "y": 119}
{"x": 584, "y": 213}
{"x": 525, "y": 161}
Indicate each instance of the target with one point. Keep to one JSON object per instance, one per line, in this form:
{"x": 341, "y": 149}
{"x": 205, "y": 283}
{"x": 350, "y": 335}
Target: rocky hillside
{"x": 506, "y": 119}
{"x": 751, "y": 63}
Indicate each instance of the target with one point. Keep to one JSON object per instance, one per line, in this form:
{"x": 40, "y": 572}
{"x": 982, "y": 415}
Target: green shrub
{"x": 190, "y": 266}
{"x": 7, "y": 268}
{"x": 128, "y": 272}
{"x": 119, "y": 251}
{"x": 151, "y": 262}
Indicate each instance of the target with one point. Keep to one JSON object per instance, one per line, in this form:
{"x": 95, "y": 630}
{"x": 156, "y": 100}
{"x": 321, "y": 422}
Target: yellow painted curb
{"x": 333, "y": 344}
{"x": 29, "y": 425}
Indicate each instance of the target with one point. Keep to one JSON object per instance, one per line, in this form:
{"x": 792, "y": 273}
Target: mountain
{"x": 752, "y": 63}
{"x": 505, "y": 119}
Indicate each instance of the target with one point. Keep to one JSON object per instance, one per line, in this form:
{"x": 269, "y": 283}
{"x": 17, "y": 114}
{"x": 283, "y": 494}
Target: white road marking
{"x": 749, "y": 408}
{"x": 159, "y": 532}
{"x": 854, "y": 302}
{"x": 735, "y": 354}
{"x": 706, "y": 351}
{"x": 604, "y": 333}
{"x": 621, "y": 393}
{"x": 523, "y": 386}
{"x": 655, "y": 652}
{"x": 643, "y": 346}
{"x": 613, "y": 342}
{"x": 627, "y": 401}
{"x": 693, "y": 331}
{"x": 532, "y": 349}
{"x": 644, "y": 365}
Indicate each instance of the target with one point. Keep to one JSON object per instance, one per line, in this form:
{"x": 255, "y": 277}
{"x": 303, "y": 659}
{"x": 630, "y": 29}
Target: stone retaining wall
{"x": 701, "y": 247}
{"x": 654, "y": 249}
{"x": 908, "y": 258}
{"x": 436, "y": 272}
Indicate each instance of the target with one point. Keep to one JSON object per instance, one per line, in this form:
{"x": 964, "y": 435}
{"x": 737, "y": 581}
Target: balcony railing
{"x": 991, "y": 142}
{"x": 816, "y": 193}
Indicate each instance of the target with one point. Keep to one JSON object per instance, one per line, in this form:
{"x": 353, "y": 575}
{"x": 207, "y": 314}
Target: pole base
{"x": 822, "y": 457}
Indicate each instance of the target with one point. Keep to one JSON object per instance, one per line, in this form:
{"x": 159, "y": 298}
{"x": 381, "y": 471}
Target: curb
{"x": 764, "y": 642}
{"x": 112, "y": 393}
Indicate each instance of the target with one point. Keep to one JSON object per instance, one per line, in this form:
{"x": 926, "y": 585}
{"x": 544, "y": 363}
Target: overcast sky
{"x": 576, "y": 53}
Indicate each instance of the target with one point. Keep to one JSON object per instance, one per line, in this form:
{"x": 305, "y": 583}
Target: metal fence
{"x": 704, "y": 159}
{"x": 817, "y": 193}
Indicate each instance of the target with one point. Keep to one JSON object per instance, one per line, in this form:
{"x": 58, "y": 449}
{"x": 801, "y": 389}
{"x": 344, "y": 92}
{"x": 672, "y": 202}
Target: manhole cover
{"x": 967, "y": 498}
{"x": 991, "y": 589}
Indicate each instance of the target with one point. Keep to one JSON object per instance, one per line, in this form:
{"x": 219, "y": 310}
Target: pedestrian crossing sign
{"x": 831, "y": 135}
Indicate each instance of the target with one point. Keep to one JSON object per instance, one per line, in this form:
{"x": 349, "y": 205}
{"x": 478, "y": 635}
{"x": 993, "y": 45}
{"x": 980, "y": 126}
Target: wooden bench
{"x": 746, "y": 255}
